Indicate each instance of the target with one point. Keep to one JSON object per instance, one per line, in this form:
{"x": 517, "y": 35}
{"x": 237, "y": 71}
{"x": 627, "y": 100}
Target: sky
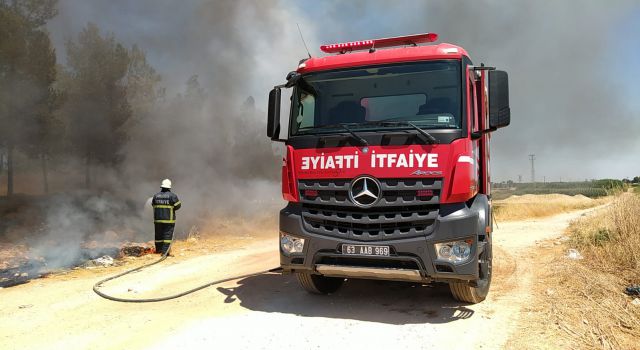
{"x": 573, "y": 68}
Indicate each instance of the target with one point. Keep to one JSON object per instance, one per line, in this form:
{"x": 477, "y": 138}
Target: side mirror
{"x": 273, "y": 116}
{"x": 499, "y": 112}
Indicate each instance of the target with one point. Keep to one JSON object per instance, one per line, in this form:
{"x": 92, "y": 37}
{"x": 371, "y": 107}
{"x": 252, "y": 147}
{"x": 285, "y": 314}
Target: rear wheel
{"x": 318, "y": 284}
{"x": 465, "y": 292}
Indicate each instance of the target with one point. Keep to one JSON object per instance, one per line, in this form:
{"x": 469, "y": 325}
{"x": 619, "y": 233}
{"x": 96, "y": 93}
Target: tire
{"x": 464, "y": 292}
{"x": 318, "y": 284}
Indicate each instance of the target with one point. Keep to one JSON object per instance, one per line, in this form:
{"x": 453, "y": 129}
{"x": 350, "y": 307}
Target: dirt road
{"x": 271, "y": 311}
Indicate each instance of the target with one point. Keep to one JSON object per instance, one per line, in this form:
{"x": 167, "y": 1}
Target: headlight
{"x": 455, "y": 252}
{"x": 290, "y": 244}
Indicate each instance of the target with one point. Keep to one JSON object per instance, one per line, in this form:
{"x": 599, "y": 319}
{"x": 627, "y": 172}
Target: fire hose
{"x": 96, "y": 287}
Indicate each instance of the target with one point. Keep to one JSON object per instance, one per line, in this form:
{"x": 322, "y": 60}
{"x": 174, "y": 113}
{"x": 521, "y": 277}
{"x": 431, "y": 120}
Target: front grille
{"x": 400, "y": 213}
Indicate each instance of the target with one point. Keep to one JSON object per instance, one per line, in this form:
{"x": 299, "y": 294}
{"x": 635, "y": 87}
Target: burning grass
{"x": 18, "y": 264}
{"x": 535, "y": 206}
{"x": 587, "y": 303}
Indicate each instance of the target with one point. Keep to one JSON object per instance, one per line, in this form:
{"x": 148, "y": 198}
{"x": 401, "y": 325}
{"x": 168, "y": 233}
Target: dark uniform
{"x": 164, "y": 203}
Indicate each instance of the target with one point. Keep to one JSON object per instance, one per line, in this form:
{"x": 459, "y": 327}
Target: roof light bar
{"x": 414, "y": 39}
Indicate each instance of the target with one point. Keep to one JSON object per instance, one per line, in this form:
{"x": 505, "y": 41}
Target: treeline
{"x": 85, "y": 109}
{"x": 600, "y": 183}
{"x": 28, "y": 72}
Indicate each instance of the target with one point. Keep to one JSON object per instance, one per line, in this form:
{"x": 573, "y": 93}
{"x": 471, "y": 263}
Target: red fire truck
{"x": 386, "y": 170}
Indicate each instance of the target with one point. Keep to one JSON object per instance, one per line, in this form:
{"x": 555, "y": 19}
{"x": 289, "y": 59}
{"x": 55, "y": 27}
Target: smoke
{"x": 566, "y": 107}
{"x": 210, "y": 140}
{"x": 207, "y": 134}
{"x": 85, "y": 226}
{"x": 565, "y": 63}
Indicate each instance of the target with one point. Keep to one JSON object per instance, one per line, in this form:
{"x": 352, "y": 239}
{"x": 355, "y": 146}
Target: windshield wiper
{"x": 428, "y": 136}
{"x": 345, "y": 126}
{"x": 347, "y": 129}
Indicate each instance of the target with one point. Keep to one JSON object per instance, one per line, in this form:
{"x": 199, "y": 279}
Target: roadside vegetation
{"x": 519, "y": 201}
{"x": 531, "y": 206}
{"x": 611, "y": 239}
{"x": 585, "y": 297}
{"x": 591, "y": 189}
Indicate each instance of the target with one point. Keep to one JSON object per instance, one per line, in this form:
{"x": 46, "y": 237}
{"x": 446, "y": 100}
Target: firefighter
{"x": 164, "y": 203}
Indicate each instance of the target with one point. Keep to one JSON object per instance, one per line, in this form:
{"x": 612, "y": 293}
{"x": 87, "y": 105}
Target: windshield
{"x": 427, "y": 94}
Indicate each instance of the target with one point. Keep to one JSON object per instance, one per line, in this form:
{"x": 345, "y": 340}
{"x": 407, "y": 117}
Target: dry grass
{"x": 589, "y": 308}
{"x": 585, "y": 298}
{"x": 611, "y": 239}
{"x": 536, "y": 206}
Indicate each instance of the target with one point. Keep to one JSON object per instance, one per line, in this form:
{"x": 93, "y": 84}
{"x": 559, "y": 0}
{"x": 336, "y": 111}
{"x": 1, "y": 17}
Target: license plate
{"x": 358, "y": 249}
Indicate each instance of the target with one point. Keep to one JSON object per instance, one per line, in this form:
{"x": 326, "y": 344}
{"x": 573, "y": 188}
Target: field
{"x": 530, "y": 206}
{"x": 591, "y": 189}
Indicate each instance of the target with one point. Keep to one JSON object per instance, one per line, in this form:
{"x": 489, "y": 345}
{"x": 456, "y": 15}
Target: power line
{"x": 532, "y": 158}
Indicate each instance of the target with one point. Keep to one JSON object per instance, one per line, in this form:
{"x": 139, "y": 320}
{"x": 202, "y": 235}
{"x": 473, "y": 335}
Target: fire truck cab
{"x": 386, "y": 168}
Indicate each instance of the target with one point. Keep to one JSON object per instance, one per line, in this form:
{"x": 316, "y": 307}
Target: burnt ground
{"x": 38, "y": 234}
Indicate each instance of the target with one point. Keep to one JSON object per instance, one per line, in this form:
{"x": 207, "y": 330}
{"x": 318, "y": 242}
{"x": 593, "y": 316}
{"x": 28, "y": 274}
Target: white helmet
{"x": 166, "y": 183}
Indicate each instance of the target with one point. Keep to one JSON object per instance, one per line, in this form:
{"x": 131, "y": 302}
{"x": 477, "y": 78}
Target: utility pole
{"x": 520, "y": 178}
{"x": 532, "y": 158}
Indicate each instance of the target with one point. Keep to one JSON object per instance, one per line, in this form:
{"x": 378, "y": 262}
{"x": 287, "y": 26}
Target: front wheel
{"x": 318, "y": 284}
{"x": 463, "y": 291}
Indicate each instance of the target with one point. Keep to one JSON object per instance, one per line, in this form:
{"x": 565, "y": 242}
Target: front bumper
{"x": 412, "y": 259}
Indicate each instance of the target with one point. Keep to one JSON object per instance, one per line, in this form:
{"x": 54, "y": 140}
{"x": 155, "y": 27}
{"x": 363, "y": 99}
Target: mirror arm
{"x": 292, "y": 79}
{"x": 277, "y": 139}
{"x": 478, "y": 134}
{"x": 479, "y": 68}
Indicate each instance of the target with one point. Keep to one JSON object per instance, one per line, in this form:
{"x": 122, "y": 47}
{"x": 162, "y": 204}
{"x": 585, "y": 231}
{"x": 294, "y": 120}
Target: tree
{"x": 27, "y": 72}
{"x": 97, "y": 107}
{"x": 142, "y": 81}
{"x": 12, "y": 63}
{"x": 35, "y": 12}
{"x": 42, "y": 137}
{"x": 195, "y": 92}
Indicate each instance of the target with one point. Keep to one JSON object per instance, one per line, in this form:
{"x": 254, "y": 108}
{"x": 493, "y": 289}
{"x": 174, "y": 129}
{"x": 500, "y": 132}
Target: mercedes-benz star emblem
{"x": 365, "y": 191}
